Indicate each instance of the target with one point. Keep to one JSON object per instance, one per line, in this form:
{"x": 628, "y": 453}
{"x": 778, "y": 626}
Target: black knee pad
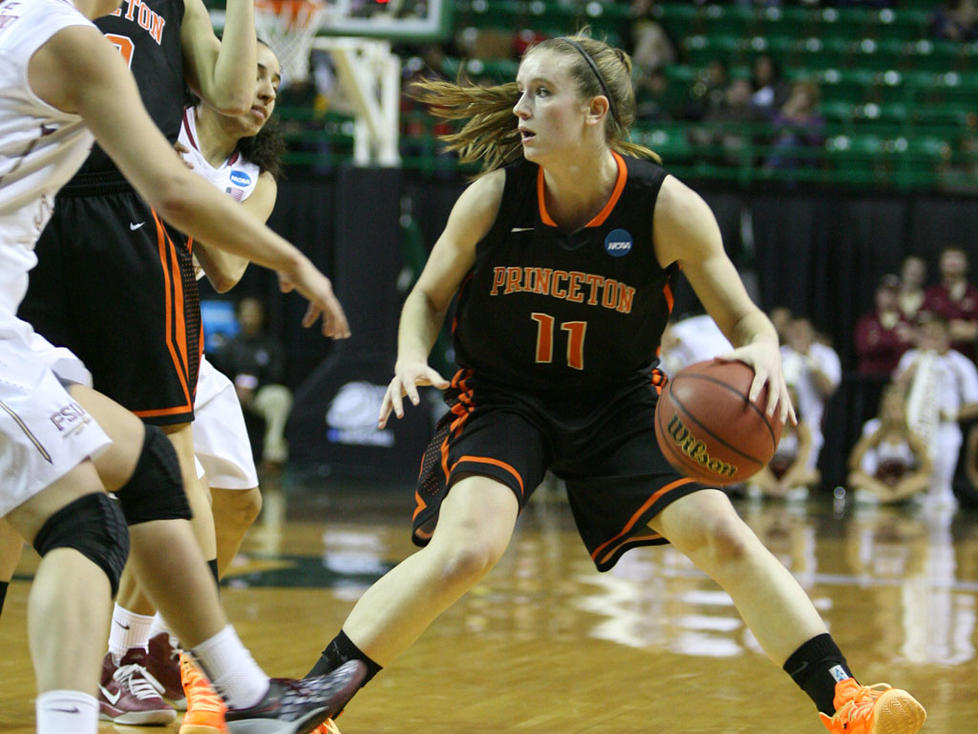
{"x": 94, "y": 526}
{"x": 155, "y": 489}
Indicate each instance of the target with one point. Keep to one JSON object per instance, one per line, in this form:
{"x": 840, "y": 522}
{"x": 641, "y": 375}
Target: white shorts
{"x": 44, "y": 433}
{"x": 222, "y": 449}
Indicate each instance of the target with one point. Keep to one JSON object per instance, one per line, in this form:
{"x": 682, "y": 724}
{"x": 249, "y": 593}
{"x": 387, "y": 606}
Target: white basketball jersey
{"x": 40, "y": 146}
{"x": 236, "y": 177}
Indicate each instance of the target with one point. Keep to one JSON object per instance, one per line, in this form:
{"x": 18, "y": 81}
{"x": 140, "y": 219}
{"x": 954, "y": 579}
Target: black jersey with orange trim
{"x": 547, "y": 310}
{"x": 147, "y": 34}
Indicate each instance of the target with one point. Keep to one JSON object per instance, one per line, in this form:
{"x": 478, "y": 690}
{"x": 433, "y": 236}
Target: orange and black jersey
{"x": 147, "y": 34}
{"x": 544, "y": 310}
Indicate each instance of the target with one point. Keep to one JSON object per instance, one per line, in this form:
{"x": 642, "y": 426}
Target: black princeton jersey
{"x": 544, "y": 310}
{"x": 147, "y": 34}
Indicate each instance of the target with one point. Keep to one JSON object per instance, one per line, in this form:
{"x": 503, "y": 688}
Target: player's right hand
{"x": 322, "y": 301}
{"x": 407, "y": 378}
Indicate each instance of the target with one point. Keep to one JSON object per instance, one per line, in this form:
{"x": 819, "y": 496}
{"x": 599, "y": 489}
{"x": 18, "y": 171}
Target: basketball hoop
{"x": 289, "y": 27}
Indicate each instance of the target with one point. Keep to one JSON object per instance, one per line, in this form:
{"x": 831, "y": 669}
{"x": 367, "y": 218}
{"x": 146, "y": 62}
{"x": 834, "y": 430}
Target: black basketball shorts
{"x": 602, "y": 446}
{"x": 116, "y": 286}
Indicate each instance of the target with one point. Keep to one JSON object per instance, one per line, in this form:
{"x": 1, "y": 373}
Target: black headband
{"x": 597, "y": 74}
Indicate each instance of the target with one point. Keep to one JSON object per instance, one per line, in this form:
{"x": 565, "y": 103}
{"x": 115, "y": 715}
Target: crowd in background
{"x": 916, "y": 352}
{"x": 918, "y": 345}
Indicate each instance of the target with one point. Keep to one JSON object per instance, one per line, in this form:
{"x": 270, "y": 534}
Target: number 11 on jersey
{"x": 545, "y": 340}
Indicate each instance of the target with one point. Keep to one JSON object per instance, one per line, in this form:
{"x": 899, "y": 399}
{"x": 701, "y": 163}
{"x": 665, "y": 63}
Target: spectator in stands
{"x": 788, "y": 475}
{"x": 955, "y": 300}
{"x": 814, "y": 369}
{"x": 913, "y": 275}
{"x": 768, "y": 90}
{"x": 798, "y": 124}
{"x": 691, "y": 339}
{"x": 890, "y": 462}
{"x": 651, "y": 48}
{"x": 883, "y": 334}
{"x": 652, "y": 98}
{"x": 709, "y": 92}
{"x": 959, "y": 172}
{"x": 942, "y": 387}
{"x": 780, "y": 316}
{"x": 955, "y": 20}
{"x": 254, "y": 360}
{"x": 731, "y": 126}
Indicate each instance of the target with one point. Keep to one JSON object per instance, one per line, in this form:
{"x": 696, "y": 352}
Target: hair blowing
{"x": 490, "y": 133}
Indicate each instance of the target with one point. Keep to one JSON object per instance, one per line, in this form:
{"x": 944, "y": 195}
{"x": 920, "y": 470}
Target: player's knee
{"x": 713, "y": 533}
{"x": 470, "y": 561}
{"x": 730, "y": 539}
{"x": 239, "y": 508}
{"x": 155, "y": 489}
{"x": 94, "y": 526}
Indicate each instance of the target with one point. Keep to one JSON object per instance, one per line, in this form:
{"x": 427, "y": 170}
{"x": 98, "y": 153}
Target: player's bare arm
{"x": 221, "y": 72}
{"x": 79, "y": 71}
{"x": 224, "y": 269}
{"x": 686, "y": 232}
{"x": 424, "y": 309}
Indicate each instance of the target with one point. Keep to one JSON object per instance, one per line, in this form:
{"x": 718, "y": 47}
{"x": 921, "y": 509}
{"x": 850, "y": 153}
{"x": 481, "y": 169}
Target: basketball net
{"x": 289, "y": 27}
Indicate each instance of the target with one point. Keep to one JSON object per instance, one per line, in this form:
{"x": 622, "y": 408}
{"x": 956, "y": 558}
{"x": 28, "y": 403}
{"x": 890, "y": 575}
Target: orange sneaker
{"x": 327, "y": 727}
{"x": 875, "y": 709}
{"x": 205, "y": 709}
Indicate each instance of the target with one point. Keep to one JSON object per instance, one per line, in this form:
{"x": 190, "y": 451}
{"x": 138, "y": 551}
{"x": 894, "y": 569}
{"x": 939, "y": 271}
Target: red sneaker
{"x": 163, "y": 663}
{"x": 127, "y": 694}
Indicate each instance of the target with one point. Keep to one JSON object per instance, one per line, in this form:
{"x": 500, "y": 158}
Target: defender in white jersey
{"x": 214, "y": 146}
{"x": 60, "y": 75}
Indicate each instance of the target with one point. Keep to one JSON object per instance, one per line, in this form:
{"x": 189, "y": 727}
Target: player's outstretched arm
{"x": 79, "y": 71}
{"x": 686, "y": 231}
{"x": 426, "y": 305}
{"x": 221, "y": 72}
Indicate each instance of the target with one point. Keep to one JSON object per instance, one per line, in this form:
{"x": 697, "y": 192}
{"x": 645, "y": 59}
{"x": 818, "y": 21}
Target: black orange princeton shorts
{"x": 603, "y": 446}
{"x": 116, "y": 286}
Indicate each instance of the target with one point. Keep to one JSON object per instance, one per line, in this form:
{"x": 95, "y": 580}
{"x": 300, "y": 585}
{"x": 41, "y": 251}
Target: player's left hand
{"x": 764, "y": 358}
{"x": 183, "y": 150}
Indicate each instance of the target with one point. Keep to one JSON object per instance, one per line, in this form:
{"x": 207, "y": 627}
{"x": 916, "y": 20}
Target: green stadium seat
{"x": 837, "y": 110}
{"x": 669, "y": 142}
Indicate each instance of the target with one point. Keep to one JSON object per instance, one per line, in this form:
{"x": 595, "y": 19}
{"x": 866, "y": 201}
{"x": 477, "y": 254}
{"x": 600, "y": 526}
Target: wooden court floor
{"x": 548, "y": 645}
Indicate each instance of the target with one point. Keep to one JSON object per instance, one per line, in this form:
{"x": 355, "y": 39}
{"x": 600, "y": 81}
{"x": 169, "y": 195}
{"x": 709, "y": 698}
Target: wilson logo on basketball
{"x": 696, "y": 449}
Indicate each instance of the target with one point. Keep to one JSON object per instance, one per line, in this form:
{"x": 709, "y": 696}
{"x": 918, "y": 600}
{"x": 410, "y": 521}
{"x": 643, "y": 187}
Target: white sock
{"x": 159, "y": 626}
{"x": 231, "y": 669}
{"x": 128, "y": 630}
{"x": 66, "y": 712}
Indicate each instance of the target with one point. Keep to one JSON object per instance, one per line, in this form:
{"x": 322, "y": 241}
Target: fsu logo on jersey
{"x": 618, "y": 242}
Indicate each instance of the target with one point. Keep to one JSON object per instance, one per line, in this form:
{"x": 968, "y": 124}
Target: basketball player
{"x": 241, "y": 157}
{"x": 61, "y": 443}
{"x": 120, "y": 291}
{"x": 563, "y": 256}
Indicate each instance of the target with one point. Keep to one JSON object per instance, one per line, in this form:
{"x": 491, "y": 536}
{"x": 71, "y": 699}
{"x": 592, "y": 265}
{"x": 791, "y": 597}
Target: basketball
{"x": 709, "y": 430}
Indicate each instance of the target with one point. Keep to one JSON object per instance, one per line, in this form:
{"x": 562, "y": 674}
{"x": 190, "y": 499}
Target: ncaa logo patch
{"x": 240, "y": 178}
{"x": 618, "y": 242}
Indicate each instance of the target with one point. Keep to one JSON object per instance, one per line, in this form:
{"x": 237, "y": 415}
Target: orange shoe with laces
{"x": 875, "y": 709}
{"x": 205, "y": 709}
{"x": 327, "y": 727}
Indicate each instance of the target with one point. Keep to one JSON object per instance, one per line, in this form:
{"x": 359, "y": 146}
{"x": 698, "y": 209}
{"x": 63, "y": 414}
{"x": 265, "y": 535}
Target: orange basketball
{"x": 709, "y": 430}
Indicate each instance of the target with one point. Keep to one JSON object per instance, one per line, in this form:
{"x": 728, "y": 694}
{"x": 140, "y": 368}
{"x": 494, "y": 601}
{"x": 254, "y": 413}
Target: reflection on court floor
{"x": 547, "y": 644}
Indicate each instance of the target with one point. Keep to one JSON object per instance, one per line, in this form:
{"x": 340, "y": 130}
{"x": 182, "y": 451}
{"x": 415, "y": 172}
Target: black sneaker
{"x": 299, "y": 706}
